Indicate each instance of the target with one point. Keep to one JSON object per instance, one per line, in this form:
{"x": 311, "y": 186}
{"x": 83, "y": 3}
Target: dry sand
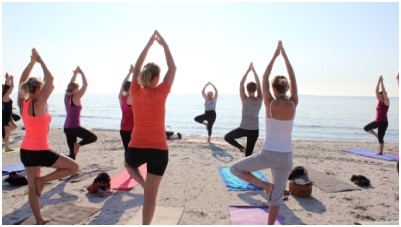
{"x": 193, "y": 182}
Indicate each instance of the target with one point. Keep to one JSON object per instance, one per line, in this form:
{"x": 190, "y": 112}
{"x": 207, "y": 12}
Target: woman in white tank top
{"x": 276, "y": 151}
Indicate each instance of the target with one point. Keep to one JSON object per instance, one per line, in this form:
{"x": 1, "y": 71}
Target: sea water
{"x": 317, "y": 117}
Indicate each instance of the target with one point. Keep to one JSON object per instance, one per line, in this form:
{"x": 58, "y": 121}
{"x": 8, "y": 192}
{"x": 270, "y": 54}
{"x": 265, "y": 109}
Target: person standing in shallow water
{"x": 209, "y": 117}
{"x": 72, "y": 125}
{"x": 148, "y": 140}
{"x": 127, "y": 118}
{"x": 251, "y": 105}
{"x": 35, "y": 150}
{"x": 381, "y": 122}
{"x": 276, "y": 151}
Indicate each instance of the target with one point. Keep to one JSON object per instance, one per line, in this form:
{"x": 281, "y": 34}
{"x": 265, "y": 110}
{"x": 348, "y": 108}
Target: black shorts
{"x": 155, "y": 159}
{"x": 38, "y": 158}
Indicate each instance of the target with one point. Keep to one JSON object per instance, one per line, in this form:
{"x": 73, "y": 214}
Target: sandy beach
{"x": 192, "y": 182}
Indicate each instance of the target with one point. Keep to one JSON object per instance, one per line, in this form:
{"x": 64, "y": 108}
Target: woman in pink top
{"x": 35, "y": 150}
{"x": 127, "y": 118}
{"x": 381, "y": 122}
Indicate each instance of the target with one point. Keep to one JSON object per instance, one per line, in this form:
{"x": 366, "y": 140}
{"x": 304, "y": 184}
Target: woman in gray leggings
{"x": 276, "y": 151}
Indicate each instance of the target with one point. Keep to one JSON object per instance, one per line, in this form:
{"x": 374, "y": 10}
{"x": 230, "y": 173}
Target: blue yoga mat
{"x": 372, "y": 154}
{"x": 13, "y": 168}
{"x": 233, "y": 183}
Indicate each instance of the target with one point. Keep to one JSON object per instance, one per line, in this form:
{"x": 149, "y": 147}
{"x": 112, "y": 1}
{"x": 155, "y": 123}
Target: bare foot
{"x": 268, "y": 190}
{"x": 39, "y": 186}
{"x": 8, "y": 149}
{"x": 43, "y": 222}
{"x": 76, "y": 148}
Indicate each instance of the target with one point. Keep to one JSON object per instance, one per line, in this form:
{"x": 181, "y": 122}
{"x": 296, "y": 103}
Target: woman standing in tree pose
{"x": 251, "y": 105}
{"x": 72, "y": 126}
{"x": 8, "y": 122}
{"x": 381, "y": 122}
{"x": 148, "y": 141}
{"x": 276, "y": 151}
{"x": 35, "y": 150}
{"x": 210, "y": 110}
{"x": 127, "y": 118}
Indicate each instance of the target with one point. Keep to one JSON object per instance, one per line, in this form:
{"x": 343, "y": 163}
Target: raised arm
{"x": 291, "y": 75}
{"x": 10, "y": 83}
{"x": 386, "y": 100}
{"x": 257, "y": 81}
{"x": 216, "y": 93}
{"x": 25, "y": 75}
{"x": 120, "y": 94}
{"x": 48, "y": 87}
{"x": 242, "y": 93}
{"x": 80, "y": 93}
{"x": 378, "y": 88}
{"x": 142, "y": 56}
{"x": 170, "y": 74}
{"x": 266, "y": 83}
{"x": 74, "y": 75}
{"x": 204, "y": 90}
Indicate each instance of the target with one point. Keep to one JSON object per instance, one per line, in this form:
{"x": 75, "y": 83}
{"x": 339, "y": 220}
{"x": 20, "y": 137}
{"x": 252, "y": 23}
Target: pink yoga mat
{"x": 124, "y": 182}
{"x": 251, "y": 215}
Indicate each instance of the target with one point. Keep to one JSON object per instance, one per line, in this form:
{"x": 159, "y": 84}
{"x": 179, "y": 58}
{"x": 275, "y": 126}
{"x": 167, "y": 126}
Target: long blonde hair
{"x": 30, "y": 86}
{"x": 148, "y": 74}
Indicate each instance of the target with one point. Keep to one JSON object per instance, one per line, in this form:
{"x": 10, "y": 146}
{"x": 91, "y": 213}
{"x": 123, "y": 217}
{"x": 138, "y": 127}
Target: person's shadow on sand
{"x": 52, "y": 197}
{"x": 114, "y": 207}
{"x": 220, "y": 154}
{"x": 258, "y": 198}
{"x": 310, "y": 204}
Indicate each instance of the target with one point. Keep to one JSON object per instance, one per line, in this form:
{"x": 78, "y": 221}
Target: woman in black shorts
{"x": 35, "y": 149}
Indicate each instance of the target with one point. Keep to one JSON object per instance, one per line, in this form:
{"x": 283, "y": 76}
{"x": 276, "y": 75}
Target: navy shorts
{"x": 155, "y": 159}
{"x": 38, "y": 158}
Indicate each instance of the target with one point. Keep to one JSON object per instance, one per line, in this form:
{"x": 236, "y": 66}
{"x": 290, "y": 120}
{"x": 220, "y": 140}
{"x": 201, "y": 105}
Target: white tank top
{"x": 278, "y": 134}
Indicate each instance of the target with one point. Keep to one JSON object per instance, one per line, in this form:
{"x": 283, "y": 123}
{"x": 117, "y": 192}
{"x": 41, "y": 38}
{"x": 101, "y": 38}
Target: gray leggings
{"x": 280, "y": 164}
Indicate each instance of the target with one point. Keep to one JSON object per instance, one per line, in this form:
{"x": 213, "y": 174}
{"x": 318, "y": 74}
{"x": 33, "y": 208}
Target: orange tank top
{"x": 148, "y": 106}
{"x": 36, "y": 129}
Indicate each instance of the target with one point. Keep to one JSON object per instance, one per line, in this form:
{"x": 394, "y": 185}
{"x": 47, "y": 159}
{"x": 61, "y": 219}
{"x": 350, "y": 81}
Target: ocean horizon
{"x": 337, "y": 118}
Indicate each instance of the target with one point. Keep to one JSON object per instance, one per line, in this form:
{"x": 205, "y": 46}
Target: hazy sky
{"x": 334, "y": 48}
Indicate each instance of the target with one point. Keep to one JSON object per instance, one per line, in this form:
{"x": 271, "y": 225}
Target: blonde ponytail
{"x": 148, "y": 74}
{"x": 30, "y": 86}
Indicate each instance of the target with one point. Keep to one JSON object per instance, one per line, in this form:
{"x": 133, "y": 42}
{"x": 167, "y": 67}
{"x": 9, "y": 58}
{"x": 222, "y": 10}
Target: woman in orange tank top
{"x": 35, "y": 150}
{"x": 148, "y": 141}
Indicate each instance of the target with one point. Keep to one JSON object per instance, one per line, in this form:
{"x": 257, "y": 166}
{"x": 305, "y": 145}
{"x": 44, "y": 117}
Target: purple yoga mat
{"x": 251, "y": 215}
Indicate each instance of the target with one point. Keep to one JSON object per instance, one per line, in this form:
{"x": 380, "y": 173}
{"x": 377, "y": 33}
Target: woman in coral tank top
{"x": 148, "y": 141}
{"x": 35, "y": 149}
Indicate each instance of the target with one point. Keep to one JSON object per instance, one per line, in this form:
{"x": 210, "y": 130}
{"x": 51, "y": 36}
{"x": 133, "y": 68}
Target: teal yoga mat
{"x": 233, "y": 183}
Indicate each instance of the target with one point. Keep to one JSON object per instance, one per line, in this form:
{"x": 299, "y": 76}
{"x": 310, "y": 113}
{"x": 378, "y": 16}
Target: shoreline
{"x": 192, "y": 182}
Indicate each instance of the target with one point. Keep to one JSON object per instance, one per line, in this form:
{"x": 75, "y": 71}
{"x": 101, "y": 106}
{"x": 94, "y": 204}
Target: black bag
{"x": 360, "y": 180}
{"x": 16, "y": 179}
{"x": 169, "y": 133}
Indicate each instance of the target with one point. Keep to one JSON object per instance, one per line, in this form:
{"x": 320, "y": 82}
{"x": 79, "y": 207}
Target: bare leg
{"x": 381, "y": 149}
{"x": 8, "y": 129}
{"x": 64, "y": 167}
{"x": 76, "y": 148}
{"x": 249, "y": 177}
{"x": 135, "y": 174}
{"x": 150, "y": 193}
{"x": 273, "y": 213}
{"x": 33, "y": 173}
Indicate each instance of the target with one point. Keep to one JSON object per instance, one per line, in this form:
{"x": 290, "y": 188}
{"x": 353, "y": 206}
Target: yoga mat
{"x": 372, "y": 154}
{"x": 328, "y": 183}
{"x": 162, "y": 216}
{"x": 124, "y": 182}
{"x": 396, "y": 222}
{"x": 13, "y": 168}
{"x": 15, "y": 149}
{"x": 233, "y": 183}
{"x": 251, "y": 215}
{"x": 63, "y": 214}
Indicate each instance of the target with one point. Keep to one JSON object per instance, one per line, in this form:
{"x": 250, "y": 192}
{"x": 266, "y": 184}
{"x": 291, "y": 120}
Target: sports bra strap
{"x": 33, "y": 107}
